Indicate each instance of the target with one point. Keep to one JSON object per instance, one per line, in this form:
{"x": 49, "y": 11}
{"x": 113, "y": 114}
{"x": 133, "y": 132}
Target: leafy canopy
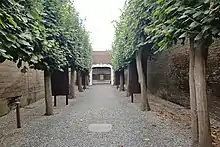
{"x": 47, "y": 34}
{"x": 162, "y": 23}
{"x": 129, "y": 33}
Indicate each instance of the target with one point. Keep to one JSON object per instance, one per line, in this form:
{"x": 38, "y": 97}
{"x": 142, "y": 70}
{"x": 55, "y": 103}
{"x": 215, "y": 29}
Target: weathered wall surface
{"x": 13, "y": 83}
{"x": 168, "y": 74}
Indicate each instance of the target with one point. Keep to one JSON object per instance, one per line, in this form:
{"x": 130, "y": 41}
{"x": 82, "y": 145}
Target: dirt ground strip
{"x": 166, "y": 109}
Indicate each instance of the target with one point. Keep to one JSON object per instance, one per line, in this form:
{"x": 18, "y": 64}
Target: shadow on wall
{"x": 168, "y": 75}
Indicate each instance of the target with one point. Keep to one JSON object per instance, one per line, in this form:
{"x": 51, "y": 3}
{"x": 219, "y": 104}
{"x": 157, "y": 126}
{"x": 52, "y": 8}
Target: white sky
{"x": 99, "y": 15}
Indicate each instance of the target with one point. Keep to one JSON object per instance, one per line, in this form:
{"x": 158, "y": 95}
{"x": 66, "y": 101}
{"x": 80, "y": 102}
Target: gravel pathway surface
{"x": 100, "y": 104}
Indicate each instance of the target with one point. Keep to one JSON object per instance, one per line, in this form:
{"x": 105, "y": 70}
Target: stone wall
{"x": 168, "y": 74}
{"x": 13, "y": 83}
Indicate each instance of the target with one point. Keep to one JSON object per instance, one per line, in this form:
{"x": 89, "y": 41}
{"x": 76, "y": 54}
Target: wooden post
{"x": 132, "y": 98}
{"x": 18, "y": 116}
{"x": 55, "y": 101}
{"x": 67, "y": 101}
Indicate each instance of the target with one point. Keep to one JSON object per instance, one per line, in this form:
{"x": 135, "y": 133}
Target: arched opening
{"x": 101, "y": 74}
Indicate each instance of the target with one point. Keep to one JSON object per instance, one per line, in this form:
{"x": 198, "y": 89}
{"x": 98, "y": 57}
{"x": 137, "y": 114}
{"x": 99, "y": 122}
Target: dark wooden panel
{"x": 123, "y": 75}
{"x": 60, "y": 82}
{"x": 145, "y": 55}
{"x": 117, "y": 78}
{"x": 134, "y": 86}
{"x": 85, "y": 78}
{"x": 107, "y": 77}
{"x": 95, "y": 77}
{"x": 77, "y": 78}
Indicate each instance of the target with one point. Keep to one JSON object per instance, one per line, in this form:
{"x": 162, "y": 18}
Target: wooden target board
{"x": 134, "y": 86}
{"x": 117, "y": 78}
{"x": 84, "y": 78}
{"x": 60, "y": 82}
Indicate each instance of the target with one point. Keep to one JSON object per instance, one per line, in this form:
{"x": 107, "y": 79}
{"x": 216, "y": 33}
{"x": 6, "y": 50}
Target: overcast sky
{"x": 99, "y": 15}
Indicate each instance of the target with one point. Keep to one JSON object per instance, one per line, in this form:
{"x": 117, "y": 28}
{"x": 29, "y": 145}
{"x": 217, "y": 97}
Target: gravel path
{"x": 100, "y": 104}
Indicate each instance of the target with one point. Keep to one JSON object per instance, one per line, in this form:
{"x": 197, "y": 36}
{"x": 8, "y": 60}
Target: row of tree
{"x": 151, "y": 26}
{"x": 46, "y": 35}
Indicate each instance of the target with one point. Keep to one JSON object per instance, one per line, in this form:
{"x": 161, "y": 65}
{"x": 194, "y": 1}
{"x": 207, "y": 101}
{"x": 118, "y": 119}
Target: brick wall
{"x": 13, "y": 83}
{"x": 168, "y": 74}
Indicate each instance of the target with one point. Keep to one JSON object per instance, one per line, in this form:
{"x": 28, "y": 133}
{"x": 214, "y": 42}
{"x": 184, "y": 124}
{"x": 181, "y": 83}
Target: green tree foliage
{"x": 47, "y": 34}
{"x": 129, "y": 32}
{"x": 173, "y": 20}
{"x": 162, "y": 23}
{"x": 20, "y": 31}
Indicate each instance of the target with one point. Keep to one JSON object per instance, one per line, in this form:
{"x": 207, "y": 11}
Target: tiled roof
{"x": 101, "y": 57}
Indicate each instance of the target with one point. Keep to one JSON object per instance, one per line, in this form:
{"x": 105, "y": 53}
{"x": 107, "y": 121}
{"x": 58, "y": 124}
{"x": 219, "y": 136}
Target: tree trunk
{"x": 48, "y": 93}
{"x": 87, "y": 80}
{"x": 114, "y": 79}
{"x": 194, "y": 117}
{"x": 79, "y": 80}
{"x": 84, "y": 83}
{"x": 201, "y": 95}
{"x": 128, "y": 82}
{"x": 122, "y": 88}
{"x": 141, "y": 79}
{"x": 72, "y": 84}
